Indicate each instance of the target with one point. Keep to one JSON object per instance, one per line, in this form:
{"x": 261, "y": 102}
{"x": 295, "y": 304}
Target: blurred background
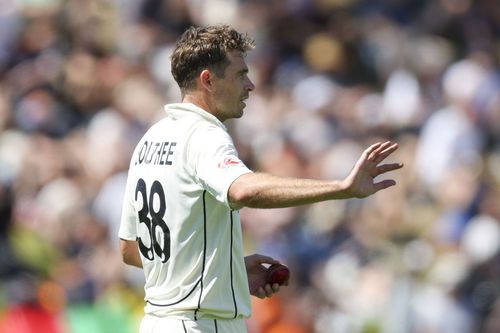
{"x": 81, "y": 81}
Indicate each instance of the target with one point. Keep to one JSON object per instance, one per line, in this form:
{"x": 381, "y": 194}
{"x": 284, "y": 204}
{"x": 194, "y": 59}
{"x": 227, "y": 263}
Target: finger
{"x": 260, "y": 293}
{"x": 388, "y": 167}
{"x": 385, "y": 152}
{"x": 384, "y": 184}
{"x": 368, "y": 151}
{"x": 268, "y": 290}
{"x": 376, "y": 152}
{"x": 275, "y": 287}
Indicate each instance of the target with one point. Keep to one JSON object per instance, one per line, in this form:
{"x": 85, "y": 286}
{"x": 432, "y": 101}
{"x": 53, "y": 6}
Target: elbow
{"x": 240, "y": 197}
{"x": 241, "y": 194}
{"x": 249, "y": 198}
{"x": 130, "y": 260}
{"x": 127, "y": 254}
{"x": 251, "y": 190}
{"x": 126, "y": 259}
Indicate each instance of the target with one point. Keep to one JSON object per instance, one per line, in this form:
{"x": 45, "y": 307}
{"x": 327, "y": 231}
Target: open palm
{"x": 360, "y": 182}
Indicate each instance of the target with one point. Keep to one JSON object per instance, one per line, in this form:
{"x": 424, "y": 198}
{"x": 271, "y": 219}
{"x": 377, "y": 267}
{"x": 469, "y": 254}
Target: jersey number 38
{"x": 152, "y": 217}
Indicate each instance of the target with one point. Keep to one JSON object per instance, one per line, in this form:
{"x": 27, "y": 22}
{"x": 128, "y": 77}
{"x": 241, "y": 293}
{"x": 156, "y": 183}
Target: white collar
{"x": 177, "y": 110}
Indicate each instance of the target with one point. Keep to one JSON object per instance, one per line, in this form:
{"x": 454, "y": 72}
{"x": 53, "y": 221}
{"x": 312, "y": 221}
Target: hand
{"x": 360, "y": 182}
{"x": 257, "y": 276}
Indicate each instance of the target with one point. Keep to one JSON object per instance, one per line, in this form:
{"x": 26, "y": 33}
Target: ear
{"x": 206, "y": 79}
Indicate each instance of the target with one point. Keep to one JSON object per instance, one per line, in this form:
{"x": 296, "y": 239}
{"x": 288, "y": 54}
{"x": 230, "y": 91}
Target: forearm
{"x": 134, "y": 261}
{"x": 260, "y": 190}
{"x": 130, "y": 253}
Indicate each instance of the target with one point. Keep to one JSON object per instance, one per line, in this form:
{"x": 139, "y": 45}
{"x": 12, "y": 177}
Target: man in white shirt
{"x": 180, "y": 219}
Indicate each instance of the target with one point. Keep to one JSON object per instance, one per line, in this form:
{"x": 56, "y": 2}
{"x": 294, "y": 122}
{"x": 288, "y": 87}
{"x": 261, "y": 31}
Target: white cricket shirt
{"x": 176, "y": 207}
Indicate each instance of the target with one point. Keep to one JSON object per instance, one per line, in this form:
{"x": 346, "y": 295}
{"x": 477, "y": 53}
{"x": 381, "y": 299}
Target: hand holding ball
{"x": 278, "y": 273}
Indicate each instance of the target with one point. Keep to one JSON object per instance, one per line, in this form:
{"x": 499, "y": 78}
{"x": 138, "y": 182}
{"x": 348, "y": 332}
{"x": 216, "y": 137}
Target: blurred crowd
{"x": 81, "y": 81}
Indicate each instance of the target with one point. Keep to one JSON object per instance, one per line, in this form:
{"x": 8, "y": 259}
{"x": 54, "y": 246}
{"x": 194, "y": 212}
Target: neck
{"x": 197, "y": 100}
{"x": 200, "y": 101}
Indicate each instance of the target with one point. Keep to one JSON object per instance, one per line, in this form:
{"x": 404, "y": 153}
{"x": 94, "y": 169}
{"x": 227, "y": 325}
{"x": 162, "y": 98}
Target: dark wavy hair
{"x": 201, "y": 48}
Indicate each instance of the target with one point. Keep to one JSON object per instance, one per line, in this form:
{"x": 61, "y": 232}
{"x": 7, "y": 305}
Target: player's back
{"x": 188, "y": 237}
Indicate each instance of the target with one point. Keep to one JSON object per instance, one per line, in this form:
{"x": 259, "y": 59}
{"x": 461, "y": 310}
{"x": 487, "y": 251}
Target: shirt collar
{"x": 177, "y": 110}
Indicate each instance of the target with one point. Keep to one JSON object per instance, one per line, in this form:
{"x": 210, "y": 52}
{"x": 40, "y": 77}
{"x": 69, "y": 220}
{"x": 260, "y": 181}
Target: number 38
{"x": 159, "y": 242}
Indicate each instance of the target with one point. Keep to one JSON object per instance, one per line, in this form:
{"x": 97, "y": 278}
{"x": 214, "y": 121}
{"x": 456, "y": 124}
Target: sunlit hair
{"x": 201, "y": 48}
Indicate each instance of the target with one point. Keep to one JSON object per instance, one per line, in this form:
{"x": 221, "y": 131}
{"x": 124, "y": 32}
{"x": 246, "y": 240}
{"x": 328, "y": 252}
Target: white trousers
{"x": 152, "y": 324}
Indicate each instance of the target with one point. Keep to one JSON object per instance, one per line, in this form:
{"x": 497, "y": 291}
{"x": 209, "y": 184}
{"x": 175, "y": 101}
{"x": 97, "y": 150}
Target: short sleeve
{"x": 128, "y": 225}
{"x": 214, "y": 161}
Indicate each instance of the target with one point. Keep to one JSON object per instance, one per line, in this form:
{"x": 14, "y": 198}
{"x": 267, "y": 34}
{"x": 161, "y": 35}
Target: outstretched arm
{"x": 260, "y": 190}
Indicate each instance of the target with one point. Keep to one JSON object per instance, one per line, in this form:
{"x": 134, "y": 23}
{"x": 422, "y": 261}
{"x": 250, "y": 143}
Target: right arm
{"x": 130, "y": 253}
{"x": 259, "y": 190}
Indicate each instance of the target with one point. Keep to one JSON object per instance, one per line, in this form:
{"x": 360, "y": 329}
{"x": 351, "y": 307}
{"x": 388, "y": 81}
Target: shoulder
{"x": 208, "y": 133}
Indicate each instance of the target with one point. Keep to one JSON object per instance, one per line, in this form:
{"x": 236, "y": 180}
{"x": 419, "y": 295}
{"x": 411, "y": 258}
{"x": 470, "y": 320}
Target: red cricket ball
{"x": 278, "y": 273}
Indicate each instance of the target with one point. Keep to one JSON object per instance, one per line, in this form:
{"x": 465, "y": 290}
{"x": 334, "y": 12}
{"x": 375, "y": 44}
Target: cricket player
{"x": 186, "y": 184}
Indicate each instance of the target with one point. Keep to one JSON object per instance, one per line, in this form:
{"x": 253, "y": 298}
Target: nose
{"x": 249, "y": 86}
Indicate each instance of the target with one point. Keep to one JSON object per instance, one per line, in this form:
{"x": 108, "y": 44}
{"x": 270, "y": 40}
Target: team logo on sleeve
{"x": 229, "y": 161}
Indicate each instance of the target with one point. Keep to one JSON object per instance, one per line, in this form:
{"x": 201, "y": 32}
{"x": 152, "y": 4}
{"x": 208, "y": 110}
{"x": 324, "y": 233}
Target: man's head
{"x": 209, "y": 66}
{"x": 202, "y": 48}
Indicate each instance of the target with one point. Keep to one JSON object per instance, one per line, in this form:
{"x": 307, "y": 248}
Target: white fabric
{"x": 152, "y": 324}
{"x": 187, "y": 161}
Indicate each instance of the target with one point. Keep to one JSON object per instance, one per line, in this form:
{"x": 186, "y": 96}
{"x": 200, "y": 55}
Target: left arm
{"x": 130, "y": 253}
{"x": 256, "y": 272}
